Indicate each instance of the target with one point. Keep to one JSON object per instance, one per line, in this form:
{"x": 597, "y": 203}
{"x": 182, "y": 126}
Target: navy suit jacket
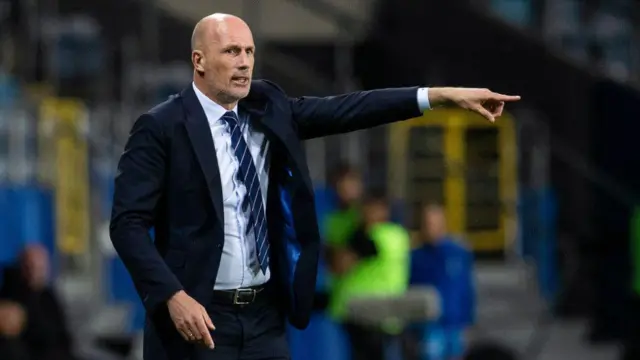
{"x": 168, "y": 179}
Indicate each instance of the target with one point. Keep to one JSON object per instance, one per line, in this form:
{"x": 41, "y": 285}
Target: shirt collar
{"x": 213, "y": 110}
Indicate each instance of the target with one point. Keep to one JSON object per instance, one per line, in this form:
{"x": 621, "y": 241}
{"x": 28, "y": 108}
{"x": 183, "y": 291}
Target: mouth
{"x": 240, "y": 80}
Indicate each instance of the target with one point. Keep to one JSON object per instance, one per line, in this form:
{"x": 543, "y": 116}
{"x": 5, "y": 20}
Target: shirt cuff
{"x": 423, "y": 99}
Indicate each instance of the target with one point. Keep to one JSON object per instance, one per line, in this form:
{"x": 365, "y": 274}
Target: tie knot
{"x": 231, "y": 118}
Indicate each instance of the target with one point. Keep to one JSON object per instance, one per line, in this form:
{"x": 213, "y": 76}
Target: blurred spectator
{"x": 12, "y": 320}
{"x": 373, "y": 262}
{"x": 340, "y": 224}
{"x": 27, "y": 283}
{"x": 444, "y": 263}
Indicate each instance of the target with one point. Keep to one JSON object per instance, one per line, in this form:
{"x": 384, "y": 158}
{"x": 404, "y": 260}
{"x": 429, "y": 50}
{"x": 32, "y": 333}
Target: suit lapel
{"x": 261, "y": 113}
{"x": 200, "y": 135}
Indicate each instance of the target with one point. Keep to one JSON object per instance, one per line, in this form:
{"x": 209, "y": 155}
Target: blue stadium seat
{"x": 322, "y": 340}
{"x": 537, "y": 211}
{"x": 27, "y": 216}
{"x": 9, "y": 90}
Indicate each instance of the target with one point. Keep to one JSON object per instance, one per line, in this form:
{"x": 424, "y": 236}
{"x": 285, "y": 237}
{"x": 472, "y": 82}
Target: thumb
{"x": 485, "y": 113}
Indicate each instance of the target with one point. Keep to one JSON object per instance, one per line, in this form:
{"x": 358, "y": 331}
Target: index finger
{"x": 208, "y": 322}
{"x": 503, "y": 97}
{"x": 204, "y": 330}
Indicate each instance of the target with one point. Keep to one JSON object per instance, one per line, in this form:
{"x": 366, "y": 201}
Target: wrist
{"x": 175, "y": 296}
{"x": 439, "y": 96}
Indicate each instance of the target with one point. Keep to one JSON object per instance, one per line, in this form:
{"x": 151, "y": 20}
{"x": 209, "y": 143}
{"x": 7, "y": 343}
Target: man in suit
{"x": 219, "y": 173}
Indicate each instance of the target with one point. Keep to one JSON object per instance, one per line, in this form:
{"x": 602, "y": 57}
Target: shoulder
{"x": 390, "y": 231}
{"x": 167, "y": 110}
{"x": 262, "y": 87}
{"x": 160, "y": 118}
{"x": 266, "y": 91}
{"x": 457, "y": 244}
{"x": 418, "y": 251}
{"x": 395, "y": 229}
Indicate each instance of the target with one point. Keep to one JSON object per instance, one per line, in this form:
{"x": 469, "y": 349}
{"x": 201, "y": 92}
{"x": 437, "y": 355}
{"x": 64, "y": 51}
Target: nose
{"x": 243, "y": 62}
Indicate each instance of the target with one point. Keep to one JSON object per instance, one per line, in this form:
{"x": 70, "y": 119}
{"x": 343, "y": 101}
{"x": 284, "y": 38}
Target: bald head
{"x": 222, "y": 53}
{"x": 212, "y": 25}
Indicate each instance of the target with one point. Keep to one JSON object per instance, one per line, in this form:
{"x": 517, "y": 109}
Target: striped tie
{"x": 248, "y": 175}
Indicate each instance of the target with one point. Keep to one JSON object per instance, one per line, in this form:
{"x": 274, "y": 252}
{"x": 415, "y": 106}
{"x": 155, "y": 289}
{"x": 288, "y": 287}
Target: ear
{"x": 198, "y": 60}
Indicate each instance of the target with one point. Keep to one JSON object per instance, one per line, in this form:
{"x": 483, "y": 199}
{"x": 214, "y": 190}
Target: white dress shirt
{"x": 239, "y": 265}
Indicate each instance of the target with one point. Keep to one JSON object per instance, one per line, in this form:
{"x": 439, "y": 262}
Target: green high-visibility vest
{"x": 339, "y": 225}
{"x": 385, "y": 274}
{"x": 338, "y": 228}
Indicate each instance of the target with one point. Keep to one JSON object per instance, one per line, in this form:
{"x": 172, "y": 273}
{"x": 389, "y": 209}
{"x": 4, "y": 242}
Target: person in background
{"x": 445, "y": 263}
{"x": 27, "y": 283}
{"x": 340, "y": 224}
{"x": 12, "y": 321}
{"x": 374, "y": 262}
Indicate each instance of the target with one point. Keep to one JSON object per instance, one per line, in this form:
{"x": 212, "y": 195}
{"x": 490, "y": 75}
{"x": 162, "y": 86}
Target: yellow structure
{"x": 459, "y": 159}
{"x": 63, "y": 158}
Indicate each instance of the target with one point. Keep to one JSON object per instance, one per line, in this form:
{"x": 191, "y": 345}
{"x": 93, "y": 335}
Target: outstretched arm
{"x": 322, "y": 116}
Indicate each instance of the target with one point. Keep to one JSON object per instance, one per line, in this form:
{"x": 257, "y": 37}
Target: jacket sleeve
{"x": 322, "y": 116}
{"x": 138, "y": 188}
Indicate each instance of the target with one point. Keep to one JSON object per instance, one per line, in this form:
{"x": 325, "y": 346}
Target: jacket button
{"x": 219, "y": 246}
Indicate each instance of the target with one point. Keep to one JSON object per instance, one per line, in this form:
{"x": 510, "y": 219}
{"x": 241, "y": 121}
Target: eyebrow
{"x": 238, "y": 46}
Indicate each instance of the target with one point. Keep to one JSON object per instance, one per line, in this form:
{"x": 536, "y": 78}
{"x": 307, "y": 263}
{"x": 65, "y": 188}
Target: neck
{"x": 199, "y": 83}
{"x": 426, "y": 239}
{"x": 346, "y": 205}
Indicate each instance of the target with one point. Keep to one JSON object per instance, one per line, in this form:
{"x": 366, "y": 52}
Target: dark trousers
{"x": 366, "y": 343}
{"x": 247, "y": 332}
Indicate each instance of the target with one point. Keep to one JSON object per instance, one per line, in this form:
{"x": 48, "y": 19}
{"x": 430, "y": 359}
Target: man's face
{"x": 35, "y": 267}
{"x": 226, "y": 61}
{"x": 434, "y": 224}
{"x": 349, "y": 188}
{"x": 376, "y": 212}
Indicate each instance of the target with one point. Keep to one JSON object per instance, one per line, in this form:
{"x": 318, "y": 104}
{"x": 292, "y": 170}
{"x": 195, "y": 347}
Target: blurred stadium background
{"x": 546, "y": 196}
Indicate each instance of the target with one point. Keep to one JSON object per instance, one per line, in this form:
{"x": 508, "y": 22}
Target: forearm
{"x": 440, "y": 96}
{"x": 151, "y": 276}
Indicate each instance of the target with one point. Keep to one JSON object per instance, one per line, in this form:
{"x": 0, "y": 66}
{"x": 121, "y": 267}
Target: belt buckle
{"x": 236, "y": 296}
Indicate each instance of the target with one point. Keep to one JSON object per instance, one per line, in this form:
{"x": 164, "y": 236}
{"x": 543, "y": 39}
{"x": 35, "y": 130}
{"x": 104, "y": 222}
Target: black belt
{"x": 244, "y": 296}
